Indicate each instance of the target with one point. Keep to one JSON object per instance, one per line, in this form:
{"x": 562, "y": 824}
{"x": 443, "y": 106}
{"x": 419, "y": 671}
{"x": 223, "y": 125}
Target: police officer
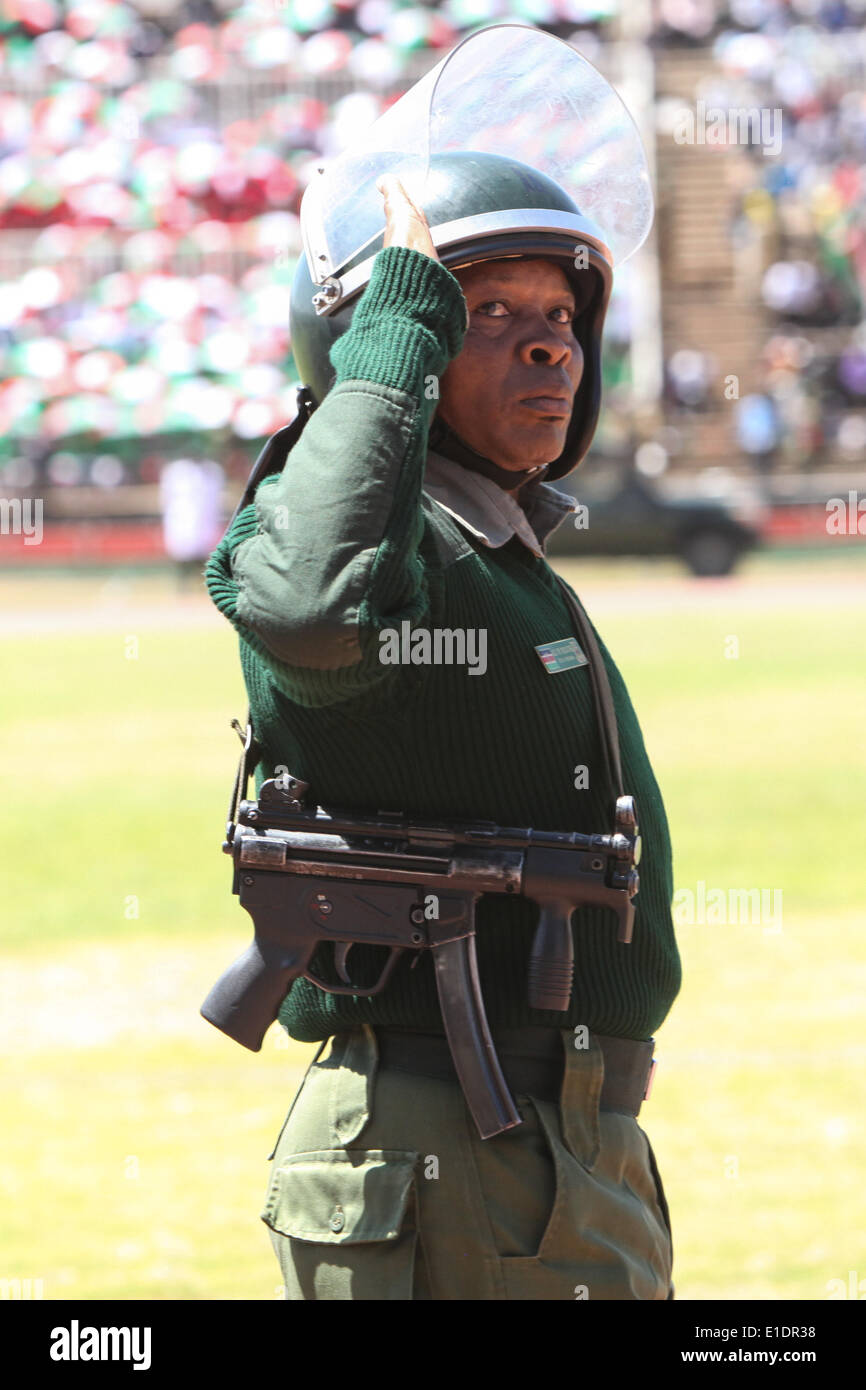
{"x": 417, "y": 498}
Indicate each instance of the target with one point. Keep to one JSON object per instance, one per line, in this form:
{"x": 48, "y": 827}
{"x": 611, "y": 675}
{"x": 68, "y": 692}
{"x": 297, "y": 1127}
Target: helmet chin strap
{"x": 443, "y": 440}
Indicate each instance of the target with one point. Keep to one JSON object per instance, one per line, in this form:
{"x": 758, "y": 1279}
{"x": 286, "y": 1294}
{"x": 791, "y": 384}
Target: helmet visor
{"x": 508, "y": 90}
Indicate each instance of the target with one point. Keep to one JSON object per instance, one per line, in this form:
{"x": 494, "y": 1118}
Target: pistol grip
{"x": 246, "y": 999}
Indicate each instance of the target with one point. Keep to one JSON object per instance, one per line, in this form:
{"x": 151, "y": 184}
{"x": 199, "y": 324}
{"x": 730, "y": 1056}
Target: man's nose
{"x": 542, "y": 343}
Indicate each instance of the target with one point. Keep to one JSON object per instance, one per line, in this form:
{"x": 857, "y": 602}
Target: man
{"x": 381, "y": 1187}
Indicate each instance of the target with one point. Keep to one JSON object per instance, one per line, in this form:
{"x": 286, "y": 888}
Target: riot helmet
{"x": 514, "y": 145}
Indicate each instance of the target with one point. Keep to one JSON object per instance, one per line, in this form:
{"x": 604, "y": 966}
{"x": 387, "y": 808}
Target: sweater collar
{"x": 490, "y": 513}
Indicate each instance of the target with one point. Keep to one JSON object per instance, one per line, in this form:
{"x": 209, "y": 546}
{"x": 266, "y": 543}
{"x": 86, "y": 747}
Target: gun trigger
{"x": 341, "y": 952}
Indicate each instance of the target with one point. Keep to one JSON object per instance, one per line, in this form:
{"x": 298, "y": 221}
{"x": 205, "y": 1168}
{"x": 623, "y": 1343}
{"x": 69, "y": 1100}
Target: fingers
{"x": 405, "y": 223}
{"x": 391, "y": 187}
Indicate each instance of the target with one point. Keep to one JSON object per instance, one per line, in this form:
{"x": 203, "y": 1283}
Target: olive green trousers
{"x": 382, "y": 1189}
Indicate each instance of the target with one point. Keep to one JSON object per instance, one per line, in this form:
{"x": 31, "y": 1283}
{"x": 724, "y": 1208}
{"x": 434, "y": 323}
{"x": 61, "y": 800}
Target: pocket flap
{"x": 340, "y": 1197}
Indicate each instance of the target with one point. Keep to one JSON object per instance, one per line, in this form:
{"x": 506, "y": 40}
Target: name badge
{"x": 561, "y": 656}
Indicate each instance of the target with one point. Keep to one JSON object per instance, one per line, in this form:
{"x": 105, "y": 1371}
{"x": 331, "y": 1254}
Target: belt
{"x": 532, "y": 1062}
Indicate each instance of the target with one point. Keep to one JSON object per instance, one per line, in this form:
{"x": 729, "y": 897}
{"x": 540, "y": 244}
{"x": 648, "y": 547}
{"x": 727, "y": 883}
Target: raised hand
{"x": 405, "y": 223}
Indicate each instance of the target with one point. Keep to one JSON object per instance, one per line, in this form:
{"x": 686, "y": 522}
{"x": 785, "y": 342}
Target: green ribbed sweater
{"x": 344, "y": 544}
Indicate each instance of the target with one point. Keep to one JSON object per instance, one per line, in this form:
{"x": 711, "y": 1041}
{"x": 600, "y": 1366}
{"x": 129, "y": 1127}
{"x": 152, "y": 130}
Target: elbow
{"x": 298, "y": 637}
{"x": 303, "y": 610}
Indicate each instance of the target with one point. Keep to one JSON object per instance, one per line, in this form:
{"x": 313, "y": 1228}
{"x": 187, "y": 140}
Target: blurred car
{"x": 709, "y": 521}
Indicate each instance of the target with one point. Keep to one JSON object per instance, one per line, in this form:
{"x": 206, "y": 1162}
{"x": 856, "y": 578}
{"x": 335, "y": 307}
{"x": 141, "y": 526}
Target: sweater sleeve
{"x": 329, "y": 552}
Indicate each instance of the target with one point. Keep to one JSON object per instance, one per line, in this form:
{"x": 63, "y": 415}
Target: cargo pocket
{"x": 344, "y": 1223}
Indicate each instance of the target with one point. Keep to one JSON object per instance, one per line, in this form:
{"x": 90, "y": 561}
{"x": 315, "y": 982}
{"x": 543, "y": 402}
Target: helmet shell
{"x": 480, "y": 207}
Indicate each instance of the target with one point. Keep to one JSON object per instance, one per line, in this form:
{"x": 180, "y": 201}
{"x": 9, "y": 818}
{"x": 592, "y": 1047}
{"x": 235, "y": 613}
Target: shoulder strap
{"x": 272, "y": 458}
{"x": 250, "y": 754}
{"x": 601, "y": 693}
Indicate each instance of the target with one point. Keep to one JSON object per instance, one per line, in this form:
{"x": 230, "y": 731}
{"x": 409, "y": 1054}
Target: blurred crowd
{"x": 152, "y": 161}
{"x": 806, "y": 207}
{"x": 153, "y": 156}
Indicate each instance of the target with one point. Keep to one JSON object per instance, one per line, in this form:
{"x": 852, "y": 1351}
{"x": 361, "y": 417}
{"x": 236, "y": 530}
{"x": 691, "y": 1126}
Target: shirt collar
{"x": 491, "y": 514}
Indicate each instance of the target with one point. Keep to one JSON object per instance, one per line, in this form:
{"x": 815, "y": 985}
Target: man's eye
{"x": 496, "y": 308}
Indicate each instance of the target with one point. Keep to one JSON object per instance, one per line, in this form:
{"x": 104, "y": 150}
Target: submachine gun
{"x": 308, "y": 878}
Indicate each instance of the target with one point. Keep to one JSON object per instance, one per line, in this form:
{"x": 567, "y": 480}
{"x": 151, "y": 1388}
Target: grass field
{"x": 135, "y": 1136}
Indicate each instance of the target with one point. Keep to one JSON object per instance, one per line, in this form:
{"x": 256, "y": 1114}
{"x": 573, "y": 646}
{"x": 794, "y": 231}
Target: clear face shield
{"x": 507, "y": 90}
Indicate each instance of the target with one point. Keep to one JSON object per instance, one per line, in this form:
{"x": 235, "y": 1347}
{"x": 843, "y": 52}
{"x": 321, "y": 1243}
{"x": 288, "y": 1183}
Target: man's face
{"x": 510, "y": 392}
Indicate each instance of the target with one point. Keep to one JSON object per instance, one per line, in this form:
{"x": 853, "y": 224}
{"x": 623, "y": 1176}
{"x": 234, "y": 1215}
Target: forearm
{"x": 332, "y": 554}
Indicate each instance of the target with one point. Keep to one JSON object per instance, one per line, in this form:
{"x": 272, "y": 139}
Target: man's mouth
{"x": 548, "y": 405}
